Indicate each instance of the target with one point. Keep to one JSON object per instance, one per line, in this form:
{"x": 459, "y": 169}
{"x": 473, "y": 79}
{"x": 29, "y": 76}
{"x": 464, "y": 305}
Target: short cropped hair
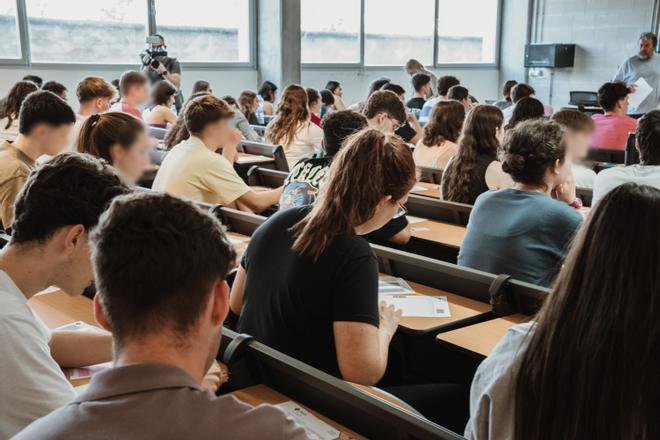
{"x": 387, "y": 102}
{"x": 394, "y": 88}
{"x": 205, "y": 110}
{"x": 610, "y": 93}
{"x": 140, "y": 291}
{"x": 419, "y": 80}
{"x": 93, "y": 87}
{"x": 130, "y": 79}
{"x": 648, "y": 138}
{"x": 35, "y": 79}
{"x": 574, "y": 120}
{"x": 43, "y": 107}
{"x": 649, "y": 36}
{"x": 338, "y": 126}
{"x": 520, "y": 91}
{"x": 70, "y": 189}
{"x": 56, "y": 87}
{"x": 445, "y": 83}
{"x": 458, "y": 93}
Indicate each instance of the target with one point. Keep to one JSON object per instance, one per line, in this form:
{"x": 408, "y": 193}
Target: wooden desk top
{"x": 258, "y": 394}
{"x": 252, "y": 159}
{"x": 57, "y": 309}
{"x": 439, "y": 232}
{"x": 426, "y": 189}
{"x": 459, "y": 307}
{"x": 481, "y": 338}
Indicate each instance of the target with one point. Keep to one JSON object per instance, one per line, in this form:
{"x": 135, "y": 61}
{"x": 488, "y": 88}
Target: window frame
{"x": 435, "y": 65}
{"x": 151, "y": 27}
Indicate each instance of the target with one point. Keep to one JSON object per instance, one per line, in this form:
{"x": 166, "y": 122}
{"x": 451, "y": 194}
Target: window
{"x": 87, "y": 31}
{"x": 466, "y": 37}
{"x": 396, "y": 30}
{"x": 205, "y": 31}
{"x": 11, "y": 46}
{"x": 330, "y": 31}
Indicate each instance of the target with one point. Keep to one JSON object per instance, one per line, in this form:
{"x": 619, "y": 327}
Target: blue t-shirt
{"x": 519, "y": 233}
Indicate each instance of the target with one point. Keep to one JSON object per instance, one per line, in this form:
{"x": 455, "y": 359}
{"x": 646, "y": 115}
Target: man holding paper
{"x": 641, "y": 73}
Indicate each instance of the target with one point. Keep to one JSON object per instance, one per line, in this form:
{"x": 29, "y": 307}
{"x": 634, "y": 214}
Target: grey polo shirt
{"x": 158, "y": 401}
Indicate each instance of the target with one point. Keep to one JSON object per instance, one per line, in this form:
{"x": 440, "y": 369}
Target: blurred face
{"x": 385, "y": 123}
{"x": 218, "y": 133}
{"x": 645, "y": 49}
{"x": 134, "y": 160}
{"x": 385, "y": 211}
{"x": 255, "y": 104}
{"x": 339, "y": 91}
{"x": 578, "y": 144}
{"x": 52, "y": 139}
{"x": 559, "y": 173}
{"x": 170, "y": 101}
{"x": 140, "y": 94}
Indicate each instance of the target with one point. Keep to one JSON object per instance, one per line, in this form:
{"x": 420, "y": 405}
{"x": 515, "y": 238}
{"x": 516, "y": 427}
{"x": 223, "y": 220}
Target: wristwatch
{"x": 577, "y": 203}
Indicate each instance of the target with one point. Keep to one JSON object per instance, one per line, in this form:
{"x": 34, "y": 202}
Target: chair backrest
{"x": 268, "y": 150}
{"x": 586, "y": 99}
{"x": 585, "y": 194}
{"x": 604, "y": 155}
{"x": 158, "y": 133}
{"x": 440, "y": 210}
{"x": 430, "y": 174}
{"x": 260, "y": 129}
{"x": 157, "y": 155}
{"x": 632, "y": 155}
{"x": 258, "y": 176}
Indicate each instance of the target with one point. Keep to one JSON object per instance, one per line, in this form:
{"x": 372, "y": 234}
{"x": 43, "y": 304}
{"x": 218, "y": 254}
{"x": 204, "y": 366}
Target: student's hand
{"x": 215, "y": 377}
{"x": 410, "y": 116}
{"x": 565, "y": 192}
{"x": 161, "y": 69}
{"x": 389, "y": 318}
{"x": 632, "y": 88}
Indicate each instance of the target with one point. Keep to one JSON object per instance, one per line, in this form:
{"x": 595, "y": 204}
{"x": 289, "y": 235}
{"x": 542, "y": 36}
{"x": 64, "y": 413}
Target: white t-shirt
{"x": 32, "y": 383}
{"x": 609, "y": 179}
{"x": 304, "y": 144}
{"x": 584, "y": 177}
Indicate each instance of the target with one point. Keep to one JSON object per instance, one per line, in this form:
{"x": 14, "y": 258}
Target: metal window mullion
{"x": 23, "y": 31}
{"x": 436, "y": 30}
{"x": 362, "y": 3}
{"x": 151, "y": 17}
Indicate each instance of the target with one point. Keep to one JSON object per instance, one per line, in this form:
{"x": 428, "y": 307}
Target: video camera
{"x": 149, "y": 56}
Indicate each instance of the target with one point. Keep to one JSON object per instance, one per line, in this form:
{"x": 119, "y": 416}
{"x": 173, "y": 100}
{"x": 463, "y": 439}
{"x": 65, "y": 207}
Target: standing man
{"x": 168, "y": 68}
{"x": 645, "y": 64}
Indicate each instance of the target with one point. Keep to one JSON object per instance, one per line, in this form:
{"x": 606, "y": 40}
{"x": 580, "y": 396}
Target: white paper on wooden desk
{"x": 316, "y": 428}
{"x": 412, "y": 219}
{"x": 418, "y": 188}
{"x": 419, "y": 306}
{"x": 80, "y": 326}
{"x": 388, "y": 284}
{"x": 643, "y": 90}
{"x": 236, "y": 240}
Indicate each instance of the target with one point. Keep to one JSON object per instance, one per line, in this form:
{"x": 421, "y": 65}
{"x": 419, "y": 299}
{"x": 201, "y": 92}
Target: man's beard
{"x": 643, "y": 55}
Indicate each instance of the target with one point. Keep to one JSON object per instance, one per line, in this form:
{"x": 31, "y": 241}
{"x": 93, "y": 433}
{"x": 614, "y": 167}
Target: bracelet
{"x": 577, "y": 203}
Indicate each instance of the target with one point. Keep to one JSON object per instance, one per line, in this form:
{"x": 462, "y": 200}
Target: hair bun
{"x": 513, "y": 163}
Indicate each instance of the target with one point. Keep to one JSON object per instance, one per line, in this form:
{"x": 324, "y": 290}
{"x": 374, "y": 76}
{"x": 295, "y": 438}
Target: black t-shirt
{"x": 416, "y": 102}
{"x": 406, "y": 132}
{"x": 290, "y": 302}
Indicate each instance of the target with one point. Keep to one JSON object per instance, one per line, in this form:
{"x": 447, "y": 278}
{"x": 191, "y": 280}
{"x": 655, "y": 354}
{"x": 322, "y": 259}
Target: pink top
{"x": 124, "y": 107}
{"x": 612, "y": 130}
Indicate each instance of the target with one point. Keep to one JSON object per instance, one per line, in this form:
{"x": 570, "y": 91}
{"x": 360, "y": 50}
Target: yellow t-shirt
{"x": 191, "y": 170}
{"x": 15, "y": 166}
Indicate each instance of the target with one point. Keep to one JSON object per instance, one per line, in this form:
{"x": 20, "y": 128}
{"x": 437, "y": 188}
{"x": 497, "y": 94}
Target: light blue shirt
{"x": 634, "y": 68}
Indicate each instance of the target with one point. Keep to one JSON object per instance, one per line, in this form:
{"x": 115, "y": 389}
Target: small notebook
{"x": 316, "y": 428}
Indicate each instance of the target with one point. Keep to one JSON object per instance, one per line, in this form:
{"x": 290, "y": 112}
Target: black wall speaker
{"x": 549, "y": 55}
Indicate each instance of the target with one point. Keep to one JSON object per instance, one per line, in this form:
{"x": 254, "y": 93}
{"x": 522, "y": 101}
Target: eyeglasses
{"x": 395, "y": 124}
{"x": 400, "y": 211}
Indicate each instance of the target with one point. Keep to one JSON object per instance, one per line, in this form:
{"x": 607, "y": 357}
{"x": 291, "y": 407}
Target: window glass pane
{"x": 204, "y": 30}
{"x": 467, "y": 41}
{"x": 87, "y": 31}
{"x": 330, "y": 31}
{"x": 11, "y": 46}
{"x": 397, "y": 30}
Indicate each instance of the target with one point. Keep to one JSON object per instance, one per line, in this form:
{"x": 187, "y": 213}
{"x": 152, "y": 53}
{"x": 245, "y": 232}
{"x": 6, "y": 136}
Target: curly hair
{"x": 445, "y": 123}
{"x": 291, "y": 114}
{"x": 11, "y": 105}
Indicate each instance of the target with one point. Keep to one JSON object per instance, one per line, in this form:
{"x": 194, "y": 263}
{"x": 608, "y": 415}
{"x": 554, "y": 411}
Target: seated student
{"x": 327, "y": 102}
{"x": 523, "y": 231}
{"x": 202, "y": 86}
{"x": 314, "y": 104}
{"x": 475, "y": 169}
{"x": 525, "y": 109}
{"x": 578, "y": 128}
{"x": 303, "y": 183}
{"x": 44, "y": 124}
{"x": 238, "y": 121}
{"x": 194, "y": 170}
{"x": 460, "y": 94}
{"x": 647, "y": 172}
{"x": 61, "y": 203}
{"x": 518, "y": 92}
{"x": 133, "y": 92}
{"x": 165, "y": 320}
{"x": 595, "y": 335}
{"x": 247, "y": 104}
{"x": 385, "y": 111}
{"x": 441, "y": 133}
{"x": 268, "y": 94}
{"x": 444, "y": 84}
{"x": 374, "y": 86}
{"x": 414, "y": 67}
{"x": 58, "y": 88}
{"x": 159, "y": 112}
{"x": 35, "y": 79}
{"x": 410, "y": 131}
{"x": 612, "y": 128}
{"x": 506, "y": 92}
{"x": 337, "y": 93}
{"x": 292, "y": 128}
{"x": 421, "y": 83}
{"x": 11, "y": 106}
{"x": 340, "y": 329}
{"x": 94, "y": 96}
{"x": 118, "y": 138}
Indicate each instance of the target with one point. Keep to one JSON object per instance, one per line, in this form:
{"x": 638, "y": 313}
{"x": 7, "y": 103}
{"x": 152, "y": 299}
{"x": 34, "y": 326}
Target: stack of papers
{"x": 253, "y": 158}
{"x": 641, "y": 93}
{"x": 412, "y": 219}
{"x": 388, "y": 284}
{"x": 316, "y": 429}
{"x": 400, "y": 294}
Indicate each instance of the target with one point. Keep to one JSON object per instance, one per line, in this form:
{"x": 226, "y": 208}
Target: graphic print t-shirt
{"x": 304, "y": 182}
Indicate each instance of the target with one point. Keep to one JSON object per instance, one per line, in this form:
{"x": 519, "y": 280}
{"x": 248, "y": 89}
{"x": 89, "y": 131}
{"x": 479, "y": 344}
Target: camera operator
{"x": 158, "y": 65}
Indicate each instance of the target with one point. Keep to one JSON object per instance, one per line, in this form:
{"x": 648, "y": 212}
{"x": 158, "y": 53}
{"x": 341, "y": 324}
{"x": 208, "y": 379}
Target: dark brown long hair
{"x": 444, "y": 124}
{"x": 11, "y": 105}
{"x": 99, "y": 133}
{"x": 178, "y": 132}
{"x": 371, "y": 165}
{"x": 291, "y": 113}
{"x": 590, "y": 370}
{"x": 478, "y": 137}
{"x": 246, "y": 104}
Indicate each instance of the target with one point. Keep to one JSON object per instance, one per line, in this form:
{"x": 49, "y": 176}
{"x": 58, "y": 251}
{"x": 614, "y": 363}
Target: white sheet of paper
{"x": 388, "y": 284}
{"x": 315, "y": 427}
{"x": 80, "y": 326}
{"x": 48, "y": 290}
{"x": 236, "y": 240}
{"x": 643, "y": 90}
{"x": 422, "y": 229}
{"x": 249, "y": 159}
{"x": 419, "y": 306}
{"x": 412, "y": 219}
{"x": 418, "y": 188}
